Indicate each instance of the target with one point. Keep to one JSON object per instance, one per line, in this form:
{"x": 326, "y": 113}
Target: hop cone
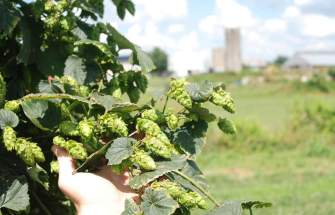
{"x": 223, "y": 99}
{"x": 148, "y": 127}
{"x": 172, "y": 121}
{"x": 9, "y": 138}
{"x": 114, "y": 124}
{"x": 85, "y": 128}
{"x": 13, "y": 105}
{"x": 54, "y": 166}
{"x": 177, "y": 92}
{"x": 29, "y": 152}
{"x": 68, "y": 128}
{"x": 144, "y": 160}
{"x": 152, "y": 115}
{"x": 157, "y": 147}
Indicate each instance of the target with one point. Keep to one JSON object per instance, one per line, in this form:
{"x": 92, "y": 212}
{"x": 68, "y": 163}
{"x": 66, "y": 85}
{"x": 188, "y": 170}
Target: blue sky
{"x": 189, "y": 29}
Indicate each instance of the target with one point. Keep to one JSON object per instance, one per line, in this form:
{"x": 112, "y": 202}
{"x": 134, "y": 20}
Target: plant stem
{"x": 92, "y": 156}
{"x": 209, "y": 196}
{"x": 165, "y": 104}
{"x": 250, "y": 211}
{"x": 43, "y": 207}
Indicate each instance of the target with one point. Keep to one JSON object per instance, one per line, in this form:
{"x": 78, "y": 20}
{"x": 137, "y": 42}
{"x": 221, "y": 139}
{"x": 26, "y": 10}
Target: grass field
{"x": 294, "y": 180}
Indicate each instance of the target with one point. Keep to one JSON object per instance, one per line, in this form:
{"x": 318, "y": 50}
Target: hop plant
{"x": 75, "y": 149}
{"x": 9, "y": 138}
{"x": 114, "y": 124}
{"x": 185, "y": 198}
{"x": 223, "y": 99}
{"x": 68, "y": 128}
{"x": 172, "y": 121}
{"x": 86, "y": 128}
{"x": 29, "y": 152}
{"x": 13, "y": 105}
{"x": 177, "y": 92}
{"x": 157, "y": 147}
{"x": 144, "y": 160}
{"x": 152, "y": 115}
{"x": 54, "y": 167}
{"x": 148, "y": 127}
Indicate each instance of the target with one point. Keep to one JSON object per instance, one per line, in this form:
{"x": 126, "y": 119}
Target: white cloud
{"x": 317, "y": 25}
{"x": 233, "y": 14}
{"x": 158, "y": 10}
{"x": 275, "y": 25}
{"x": 176, "y": 28}
{"x": 302, "y": 2}
{"x": 292, "y": 11}
{"x": 209, "y": 24}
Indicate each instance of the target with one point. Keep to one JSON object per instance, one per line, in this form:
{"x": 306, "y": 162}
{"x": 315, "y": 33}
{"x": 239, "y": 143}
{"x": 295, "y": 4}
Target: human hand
{"x": 102, "y": 192}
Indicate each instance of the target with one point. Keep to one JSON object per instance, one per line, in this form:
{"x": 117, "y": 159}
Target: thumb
{"x": 65, "y": 162}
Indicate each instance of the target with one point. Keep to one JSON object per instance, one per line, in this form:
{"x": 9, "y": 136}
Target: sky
{"x": 188, "y": 29}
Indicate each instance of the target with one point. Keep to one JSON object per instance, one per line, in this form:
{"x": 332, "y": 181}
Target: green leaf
{"x": 9, "y": 17}
{"x": 190, "y": 137}
{"x": 203, "y": 113}
{"x": 102, "y": 47}
{"x": 158, "y": 202}
{"x": 200, "y": 92}
{"x": 192, "y": 170}
{"x": 163, "y": 167}
{"x": 121, "y": 11}
{"x": 131, "y": 208}
{"x": 139, "y": 57}
{"x": 229, "y": 208}
{"x": 43, "y": 114}
{"x": 120, "y": 149}
{"x": 51, "y": 61}
{"x": 38, "y": 174}
{"x": 107, "y": 101}
{"x": 255, "y": 204}
{"x": 226, "y": 126}
{"x": 46, "y": 87}
{"x": 8, "y": 118}
{"x": 75, "y": 68}
{"x": 125, "y": 107}
{"x": 14, "y": 194}
{"x": 130, "y": 7}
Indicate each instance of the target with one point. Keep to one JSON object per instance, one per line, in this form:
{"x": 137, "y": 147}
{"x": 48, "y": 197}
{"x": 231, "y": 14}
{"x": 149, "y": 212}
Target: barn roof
{"x": 312, "y": 58}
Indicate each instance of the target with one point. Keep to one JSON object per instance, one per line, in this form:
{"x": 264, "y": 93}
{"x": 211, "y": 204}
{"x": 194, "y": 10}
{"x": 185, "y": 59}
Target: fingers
{"x": 65, "y": 162}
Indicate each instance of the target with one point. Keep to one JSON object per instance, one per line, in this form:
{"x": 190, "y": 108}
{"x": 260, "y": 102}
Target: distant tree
{"x": 160, "y": 59}
{"x": 280, "y": 60}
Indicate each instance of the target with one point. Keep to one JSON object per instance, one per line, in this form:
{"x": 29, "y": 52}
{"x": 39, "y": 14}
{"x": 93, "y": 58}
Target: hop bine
{"x": 177, "y": 92}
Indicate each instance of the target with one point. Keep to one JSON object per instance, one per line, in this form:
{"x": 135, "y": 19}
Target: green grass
{"x": 298, "y": 181}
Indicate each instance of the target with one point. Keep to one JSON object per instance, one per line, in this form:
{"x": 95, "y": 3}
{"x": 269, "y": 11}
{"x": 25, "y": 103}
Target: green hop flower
{"x": 227, "y": 126}
{"x": 29, "y": 152}
{"x": 122, "y": 167}
{"x": 9, "y": 138}
{"x": 144, "y": 160}
{"x": 148, "y": 127}
{"x": 85, "y": 128}
{"x": 13, "y": 105}
{"x": 157, "y": 147}
{"x": 223, "y": 99}
{"x": 68, "y": 128}
{"x": 185, "y": 198}
{"x": 177, "y": 92}
{"x": 59, "y": 141}
{"x": 76, "y": 149}
{"x": 83, "y": 91}
{"x": 113, "y": 124}
{"x": 172, "y": 121}
{"x": 152, "y": 115}
{"x": 54, "y": 167}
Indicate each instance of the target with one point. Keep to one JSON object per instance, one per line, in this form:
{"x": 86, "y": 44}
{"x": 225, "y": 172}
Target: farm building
{"x": 311, "y": 60}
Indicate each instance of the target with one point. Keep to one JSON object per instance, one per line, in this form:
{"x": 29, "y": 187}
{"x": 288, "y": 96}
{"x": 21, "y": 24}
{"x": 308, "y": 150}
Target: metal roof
{"x": 312, "y": 58}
